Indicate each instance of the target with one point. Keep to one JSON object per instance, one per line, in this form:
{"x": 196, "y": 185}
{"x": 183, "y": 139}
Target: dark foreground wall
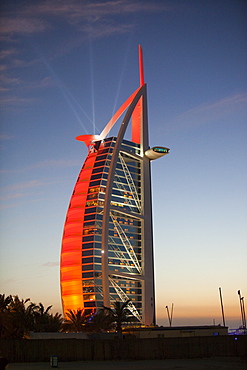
{"x": 125, "y": 349}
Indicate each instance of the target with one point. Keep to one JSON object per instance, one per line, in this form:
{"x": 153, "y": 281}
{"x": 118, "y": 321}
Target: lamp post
{"x": 168, "y": 314}
{"x": 242, "y": 309}
{"x": 222, "y": 308}
{"x": 172, "y": 313}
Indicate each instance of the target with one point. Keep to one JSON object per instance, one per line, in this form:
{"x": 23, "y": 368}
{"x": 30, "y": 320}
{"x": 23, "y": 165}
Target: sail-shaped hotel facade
{"x": 107, "y": 243}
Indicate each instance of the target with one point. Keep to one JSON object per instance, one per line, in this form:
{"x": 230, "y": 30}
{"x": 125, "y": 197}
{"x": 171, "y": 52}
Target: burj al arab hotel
{"x": 107, "y": 243}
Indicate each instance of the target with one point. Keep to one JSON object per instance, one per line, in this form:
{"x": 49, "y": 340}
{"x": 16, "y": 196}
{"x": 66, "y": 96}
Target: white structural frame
{"x": 145, "y": 217}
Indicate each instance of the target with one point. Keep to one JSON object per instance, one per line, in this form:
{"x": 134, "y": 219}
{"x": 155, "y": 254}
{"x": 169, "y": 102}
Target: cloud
{"x": 24, "y": 189}
{"x": 213, "y": 111}
{"x": 4, "y": 137}
{"x": 30, "y": 17}
{"x": 108, "y": 29}
{"x": 88, "y": 19}
{"x": 43, "y": 164}
{"x": 20, "y": 63}
{"x": 8, "y": 52}
{"x": 5, "y": 80}
{"x": 39, "y": 84}
{"x": 13, "y": 90}
{"x": 24, "y": 185}
{"x": 20, "y": 190}
{"x": 22, "y": 25}
{"x": 56, "y": 163}
{"x": 50, "y": 264}
{"x": 3, "y": 67}
{"x": 15, "y": 102}
{"x": 11, "y": 81}
{"x": 75, "y": 11}
{"x": 6, "y": 197}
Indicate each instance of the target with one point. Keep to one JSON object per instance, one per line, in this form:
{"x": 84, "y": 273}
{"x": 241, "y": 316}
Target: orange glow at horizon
{"x": 206, "y": 314}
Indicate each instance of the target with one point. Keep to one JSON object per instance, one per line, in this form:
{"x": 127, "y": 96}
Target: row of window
{"x": 113, "y": 252}
{"x": 123, "y": 194}
{"x": 100, "y": 170}
{"x": 91, "y": 274}
{"x": 91, "y": 252}
{"x": 121, "y": 282}
{"x": 123, "y": 269}
{"x": 130, "y": 148}
{"x": 125, "y": 222}
{"x": 125, "y": 261}
{"x": 89, "y": 244}
{"x": 97, "y": 182}
{"x": 97, "y": 237}
{"x": 132, "y": 169}
{"x": 128, "y": 290}
{"x": 95, "y": 268}
{"x": 126, "y": 282}
{"x": 96, "y": 190}
{"x": 124, "y": 200}
{"x": 129, "y": 266}
{"x": 119, "y": 172}
{"x": 92, "y": 216}
{"x": 99, "y": 176}
{"x": 91, "y": 260}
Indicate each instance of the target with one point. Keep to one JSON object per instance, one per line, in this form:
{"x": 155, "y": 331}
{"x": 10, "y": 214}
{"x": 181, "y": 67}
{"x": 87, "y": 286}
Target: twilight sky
{"x": 66, "y": 66}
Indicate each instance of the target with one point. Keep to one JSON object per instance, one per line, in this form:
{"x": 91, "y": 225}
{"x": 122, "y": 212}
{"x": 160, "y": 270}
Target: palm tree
{"x": 119, "y": 314}
{"x": 20, "y": 319}
{"x": 41, "y": 317}
{"x": 55, "y": 322}
{"x": 99, "y": 322}
{"x": 4, "y": 317}
{"x": 4, "y": 302}
{"x": 75, "y": 321}
{"x": 17, "y": 318}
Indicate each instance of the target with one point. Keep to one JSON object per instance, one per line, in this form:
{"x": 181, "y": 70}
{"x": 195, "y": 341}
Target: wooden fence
{"x": 126, "y": 349}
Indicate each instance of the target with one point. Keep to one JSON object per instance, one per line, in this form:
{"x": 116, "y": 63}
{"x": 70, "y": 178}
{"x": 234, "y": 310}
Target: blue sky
{"x": 66, "y": 66}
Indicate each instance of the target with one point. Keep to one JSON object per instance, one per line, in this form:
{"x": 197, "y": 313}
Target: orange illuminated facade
{"x": 107, "y": 244}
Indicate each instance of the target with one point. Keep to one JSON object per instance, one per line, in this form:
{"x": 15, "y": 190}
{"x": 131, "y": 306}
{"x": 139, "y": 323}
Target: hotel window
{"x": 87, "y": 267}
{"x": 88, "y": 238}
{"x": 90, "y": 210}
{"x": 89, "y": 297}
{"x": 87, "y": 274}
{"x": 87, "y": 252}
{"x": 90, "y": 217}
{"x": 102, "y": 156}
{"x": 89, "y": 304}
{"x": 87, "y": 260}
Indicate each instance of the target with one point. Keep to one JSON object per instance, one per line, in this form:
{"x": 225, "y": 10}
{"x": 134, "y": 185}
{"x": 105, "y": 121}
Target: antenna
{"x": 141, "y": 69}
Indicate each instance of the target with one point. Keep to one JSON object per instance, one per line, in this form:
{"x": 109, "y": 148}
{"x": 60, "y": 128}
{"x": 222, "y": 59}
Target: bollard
{"x": 54, "y": 361}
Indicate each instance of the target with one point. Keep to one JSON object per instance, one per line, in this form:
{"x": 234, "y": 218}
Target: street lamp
{"x": 168, "y": 314}
{"x": 242, "y": 309}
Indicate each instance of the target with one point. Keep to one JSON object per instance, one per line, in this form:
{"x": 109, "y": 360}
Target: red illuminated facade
{"x": 107, "y": 244}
